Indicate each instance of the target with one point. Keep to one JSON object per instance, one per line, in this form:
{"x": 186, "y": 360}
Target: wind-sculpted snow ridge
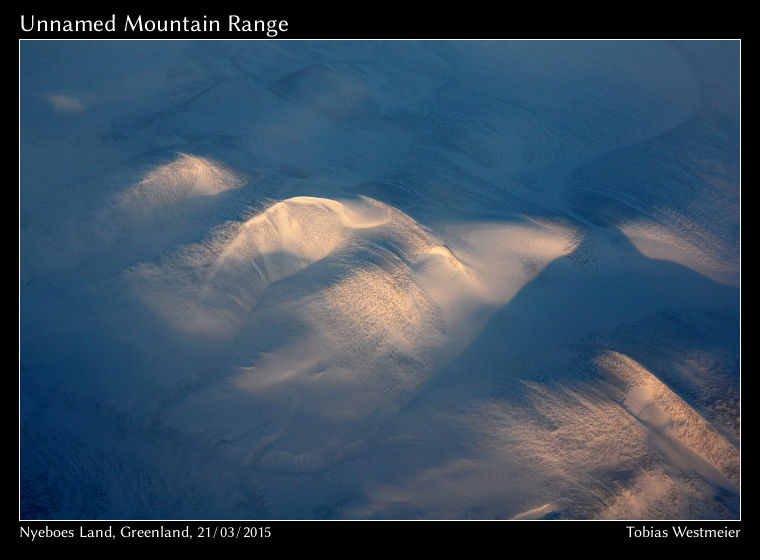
{"x": 210, "y": 288}
{"x": 167, "y": 205}
{"x": 688, "y": 245}
{"x": 676, "y": 429}
{"x": 185, "y": 177}
{"x": 370, "y": 279}
{"x": 580, "y": 431}
{"x": 366, "y": 304}
{"x": 678, "y": 202}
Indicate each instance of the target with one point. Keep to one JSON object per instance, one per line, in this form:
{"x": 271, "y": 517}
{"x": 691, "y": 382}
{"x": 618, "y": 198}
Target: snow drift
{"x": 407, "y": 280}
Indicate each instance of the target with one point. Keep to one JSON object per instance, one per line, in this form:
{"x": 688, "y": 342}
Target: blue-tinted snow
{"x": 378, "y": 279}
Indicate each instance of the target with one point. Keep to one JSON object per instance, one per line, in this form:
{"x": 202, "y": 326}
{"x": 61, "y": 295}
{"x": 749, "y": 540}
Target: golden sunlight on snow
{"x": 185, "y": 177}
{"x": 692, "y": 250}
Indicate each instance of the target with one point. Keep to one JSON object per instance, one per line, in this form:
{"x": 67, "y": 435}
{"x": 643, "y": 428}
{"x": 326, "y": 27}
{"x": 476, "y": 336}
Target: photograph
{"x": 377, "y": 279}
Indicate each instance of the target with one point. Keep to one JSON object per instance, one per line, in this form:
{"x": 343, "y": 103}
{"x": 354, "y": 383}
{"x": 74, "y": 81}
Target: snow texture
{"x": 379, "y": 280}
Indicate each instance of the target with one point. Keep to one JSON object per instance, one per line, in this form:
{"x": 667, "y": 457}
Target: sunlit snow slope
{"x": 383, "y": 280}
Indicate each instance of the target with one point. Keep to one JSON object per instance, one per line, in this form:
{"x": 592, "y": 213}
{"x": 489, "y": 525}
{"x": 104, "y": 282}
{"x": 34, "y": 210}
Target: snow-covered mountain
{"x": 381, "y": 280}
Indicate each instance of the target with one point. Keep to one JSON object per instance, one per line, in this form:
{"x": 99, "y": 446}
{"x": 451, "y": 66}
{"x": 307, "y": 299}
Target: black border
{"x": 384, "y": 22}
{"x": 541, "y": 536}
{"x": 506, "y": 21}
